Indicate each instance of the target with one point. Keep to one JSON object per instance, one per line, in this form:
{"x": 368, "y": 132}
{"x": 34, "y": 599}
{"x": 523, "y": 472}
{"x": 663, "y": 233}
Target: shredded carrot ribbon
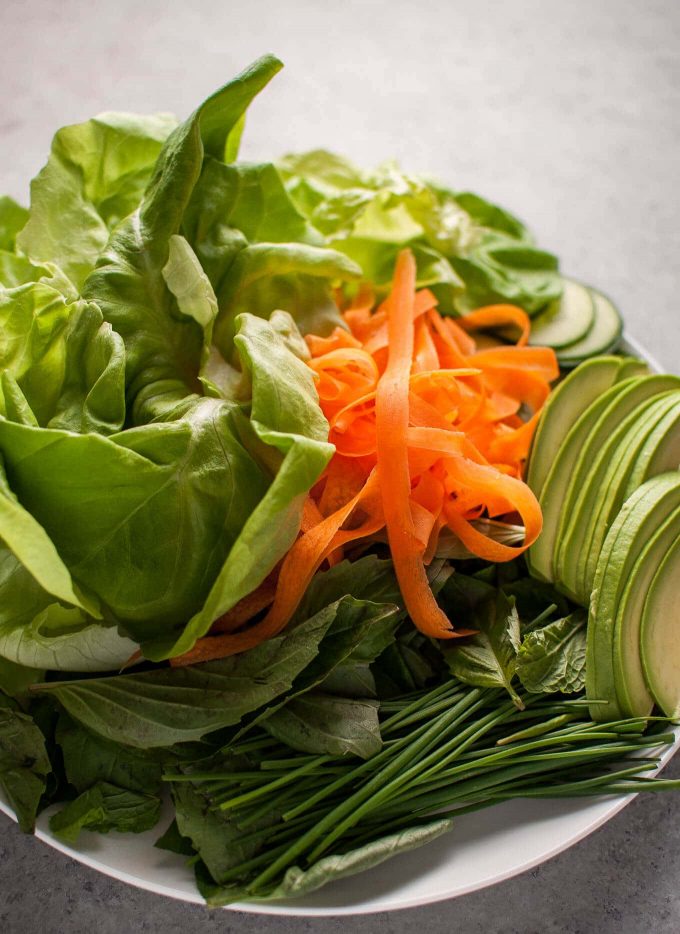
{"x": 429, "y": 431}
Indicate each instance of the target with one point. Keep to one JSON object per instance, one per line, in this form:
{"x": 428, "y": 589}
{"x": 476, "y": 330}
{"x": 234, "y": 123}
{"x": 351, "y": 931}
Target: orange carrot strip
{"x": 393, "y": 470}
{"x": 311, "y": 515}
{"x": 486, "y": 480}
{"x": 450, "y": 352}
{"x": 423, "y": 303}
{"x": 541, "y": 360}
{"x": 339, "y": 338}
{"x": 491, "y": 316}
{"x": 248, "y": 607}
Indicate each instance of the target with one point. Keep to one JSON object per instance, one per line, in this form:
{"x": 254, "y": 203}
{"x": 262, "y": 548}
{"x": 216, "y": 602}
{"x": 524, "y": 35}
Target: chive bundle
{"x": 450, "y": 749}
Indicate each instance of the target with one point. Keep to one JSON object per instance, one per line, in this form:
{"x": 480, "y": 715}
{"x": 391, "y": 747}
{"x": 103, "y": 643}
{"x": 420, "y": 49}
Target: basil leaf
{"x": 553, "y": 659}
{"x": 105, "y": 807}
{"x": 298, "y": 881}
{"x": 320, "y": 723}
{"x": 175, "y": 705}
{"x": 24, "y": 764}
{"x": 219, "y": 841}
{"x": 351, "y": 679}
{"x": 89, "y": 759}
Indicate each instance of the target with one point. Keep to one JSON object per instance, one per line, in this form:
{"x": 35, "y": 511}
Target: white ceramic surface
{"x": 484, "y": 848}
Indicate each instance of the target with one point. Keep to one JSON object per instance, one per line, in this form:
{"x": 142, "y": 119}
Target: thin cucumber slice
{"x": 633, "y": 695}
{"x": 566, "y": 320}
{"x": 564, "y": 406}
{"x": 643, "y": 434}
{"x": 631, "y": 366}
{"x": 660, "y": 634}
{"x": 637, "y": 522}
{"x": 581, "y": 494}
{"x": 657, "y": 456}
{"x": 603, "y": 336}
{"x": 556, "y": 484}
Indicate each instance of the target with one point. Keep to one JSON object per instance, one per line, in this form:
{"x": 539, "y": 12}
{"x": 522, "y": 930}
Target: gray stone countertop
{"x": 568, "y": 114}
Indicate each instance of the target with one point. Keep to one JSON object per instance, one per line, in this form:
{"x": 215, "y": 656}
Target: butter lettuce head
{"x": 159, "y": 428}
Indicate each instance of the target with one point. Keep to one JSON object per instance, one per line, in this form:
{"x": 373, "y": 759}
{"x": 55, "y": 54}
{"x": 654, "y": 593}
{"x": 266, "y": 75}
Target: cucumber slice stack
{"x": 581, "y": 324}
{"x": 604, "y": 466}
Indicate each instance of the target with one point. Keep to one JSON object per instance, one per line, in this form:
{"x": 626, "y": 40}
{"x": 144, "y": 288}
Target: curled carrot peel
{"x": 429, "y": 430}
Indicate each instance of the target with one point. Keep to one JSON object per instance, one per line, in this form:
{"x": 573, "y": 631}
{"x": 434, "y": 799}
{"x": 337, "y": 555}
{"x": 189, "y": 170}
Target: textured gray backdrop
{"x": 567, "y": 113}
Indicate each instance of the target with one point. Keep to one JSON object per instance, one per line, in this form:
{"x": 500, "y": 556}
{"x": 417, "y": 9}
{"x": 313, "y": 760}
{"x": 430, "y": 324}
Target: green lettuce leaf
{"x": 259, "y": 252}
{"x": 95, "y": 177}
{"x": 62, "y": 365}
{"x": 33, "y": 319}
{"x": 12, "y": 218}
{"x": 33, "y": 548}
{"x": 164, "y": 346}
{"x": 287, "y": 432}
{"x": 18, "y": 270}
{"x": 105, "y": 807}
{"x": 217, "y": 493}
{"x": 468, "y": 251}
{"x": 175, "y": 506}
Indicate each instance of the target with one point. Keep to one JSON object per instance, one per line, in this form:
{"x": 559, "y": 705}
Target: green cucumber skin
{"x": 640, "y": 515}
{"x": 603, "y": 337}
{"x": 568, "y": 320}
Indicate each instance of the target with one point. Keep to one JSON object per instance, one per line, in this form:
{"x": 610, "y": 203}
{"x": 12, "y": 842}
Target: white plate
{"x": 484, "y": 848}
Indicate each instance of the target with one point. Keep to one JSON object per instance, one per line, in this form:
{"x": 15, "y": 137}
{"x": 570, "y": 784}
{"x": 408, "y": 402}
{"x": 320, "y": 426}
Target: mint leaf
{"x": 553, "y": 658}
{"x": 489, "y": 658}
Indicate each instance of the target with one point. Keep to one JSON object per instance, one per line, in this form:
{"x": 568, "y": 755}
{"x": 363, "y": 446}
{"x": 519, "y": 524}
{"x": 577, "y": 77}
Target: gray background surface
{"x": 567, "y": 113}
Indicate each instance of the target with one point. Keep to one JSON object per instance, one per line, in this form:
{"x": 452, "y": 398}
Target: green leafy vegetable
{"x": 163, "y": 346}
{"x": 16, "y": 679}
{"x": 469, "y": 252}
{"x": 213, "y": 834}
{"x": 489, "y": 658}
{"x": 553, "y": 659}
{"x": 12, "y": 218}
{"x": 320, "y": 723}
{"x": 35, "y": 551}
{"x": 167, "y": 706}
{"x": 89, "y": 759}
{"x": 215, "y": 492}
{"x": 105, "y": 807}
{"x": 24, "y": 764}
{"x": 95, "y": 177}
{"x": 298, "y": 881}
